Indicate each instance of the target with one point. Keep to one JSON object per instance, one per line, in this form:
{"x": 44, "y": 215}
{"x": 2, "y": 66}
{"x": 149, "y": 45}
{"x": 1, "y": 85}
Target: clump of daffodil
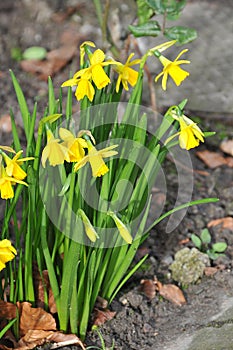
{"x": 126, "y": 73}
{"x": 7, "y": 253}
{"x": 95, "y": 158}
{"x": 172, "y": 68}
{"x": 123, "y": 230}
{"x": 189, "y": 135}
{"x": 75, "y": 145}
{"x": 89, "y": 229}
{"x": 54, "y": 151}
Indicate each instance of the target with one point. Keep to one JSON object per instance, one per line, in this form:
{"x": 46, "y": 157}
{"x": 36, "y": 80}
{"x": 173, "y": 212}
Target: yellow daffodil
{"x": 96, "y": 70}
{"x": 13, "y": 168}
{"x": 190, "y": 134}
{"x": 123, "y": 230}
{"x": 173, "y": 69}
{"x": 6, "y": 183}
{"x": 84, "y": 86}
{"x": 54, "y": 151}
{"x": 7, "y": 253}
{"x": 75, "y": 145}
{"x": 127, "y": 74}
{"x": 89, "y": 229}
{"x": 95, "y": 158}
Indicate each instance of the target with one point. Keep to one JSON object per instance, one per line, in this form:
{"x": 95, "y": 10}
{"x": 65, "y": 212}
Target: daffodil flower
{"x": 84, "y": 86}
{"x": 96, "y": 70}
{"x": 6, "y": 183}
{"x": 13, "y": 168}
{"x": 7, "y": 253}
{"x": 127, "y": 74}
{"x": 190, "y": 134}
{"x": 123, "y": 230}
{"x": 89, "y": 229}
{"x": 173, "y": 69}
{"x": 95, "y": 158}
{"x": 75, "y": 145}
{"x": 82, "y": 50}
{"x": 54, "y": 151}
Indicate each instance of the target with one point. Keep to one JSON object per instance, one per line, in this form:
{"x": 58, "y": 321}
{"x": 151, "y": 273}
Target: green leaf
{"x": 172, "y": 7}
{"x": 196, "y": 241}
{"x": 219, "y": 247}
{"x": 151, "y": 28}
{"x": 212, "y": 255}
{"x": 182, "y": 34}
{"x": 34, "y": 53}
{"x": 144, "y": 12}
{"x": 205, "y": 236}
{"x": 182, "y": 104}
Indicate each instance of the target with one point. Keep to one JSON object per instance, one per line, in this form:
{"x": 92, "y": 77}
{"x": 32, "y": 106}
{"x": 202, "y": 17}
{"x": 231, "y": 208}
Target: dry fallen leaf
{"x": 35, "y": 338}
{"x": 5, "y": 123}
{"x": 102, "y": 316}
{"x": 172, "y": 293}
{"x": 40, "y": 286}
{"x": 148, "y": 287}
{"x": 211, "y": 159}
{"x": 35, "y": 319}
{"x": 227, "y": 147}
{"x": 7, "y": 310}
{"x": 226, "y": 222}
{"x": 210, "y": 271}
{"x": 55, "y": 61}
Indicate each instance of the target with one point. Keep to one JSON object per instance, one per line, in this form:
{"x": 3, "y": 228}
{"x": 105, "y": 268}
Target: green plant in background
{"x": 169, "y": 10}
{"x": 203, "y": 243}
{"x": 103, "y": 346}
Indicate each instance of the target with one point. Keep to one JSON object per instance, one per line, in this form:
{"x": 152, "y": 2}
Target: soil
{"x": 139, "y": 323}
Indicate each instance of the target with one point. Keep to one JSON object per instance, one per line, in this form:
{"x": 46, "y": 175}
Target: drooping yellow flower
{"x": 127, "y": 74}
{"x": 84, "y": 86}
{"x": 190, "y": 134}
{"x": 173, "y": 69}
{"x": 13, "y": 168}
{"x": 82, "y": 50}
{"x": 123, "y": 230}
{"x": 89, "y": 229}
{"x": 6, "y": 183}
{"x": 75, "y": 145}
{"x": 95, "y": 158}
{"x": 54, "y": 151}
{"x": 7, "y": 253}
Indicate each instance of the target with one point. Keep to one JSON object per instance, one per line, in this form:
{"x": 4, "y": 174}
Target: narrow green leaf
{"x": 8, "y": 326}
{"x": 22, "y": 103}
{"x": 17, "y": 145}
{"x": 52, "y": 101}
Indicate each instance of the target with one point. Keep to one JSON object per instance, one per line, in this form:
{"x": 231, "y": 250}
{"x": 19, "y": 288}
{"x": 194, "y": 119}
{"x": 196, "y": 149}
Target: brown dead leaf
{"x": 5, "y": 123}
{"x": 184, "y": 241}
{"x": 102, "y": 316}
{"x": 35, "y": 319}
{"x": 172, "y": 293}
{"x": 7, "y": 310}
{"x": 40, "y": 287}
{"x": 35, "y": 338}
{"x": 148, "y": 287}
{"x": 229, "y": 162}
{"x": 227, "y": 147}
{"x": 61, "y": 16}
{"x": 211, "y": 159}
{"x": 226, "y": 222}
{"x": 55, "y": 61}
{"x": 210, "y": 271}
